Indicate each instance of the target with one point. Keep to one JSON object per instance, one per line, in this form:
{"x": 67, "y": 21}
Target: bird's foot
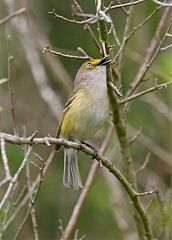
{"x": 92, "y": 147}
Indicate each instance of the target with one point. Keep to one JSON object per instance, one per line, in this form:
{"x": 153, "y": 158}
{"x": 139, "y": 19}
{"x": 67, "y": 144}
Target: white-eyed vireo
{"x": 84, "y": 113}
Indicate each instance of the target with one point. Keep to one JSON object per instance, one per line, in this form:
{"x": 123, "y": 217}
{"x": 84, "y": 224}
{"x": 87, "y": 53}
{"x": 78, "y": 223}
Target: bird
{"x": 85, "y": 112}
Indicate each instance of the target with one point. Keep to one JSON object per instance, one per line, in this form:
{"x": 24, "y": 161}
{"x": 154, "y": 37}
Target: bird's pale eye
{"x": 89, "y": 65}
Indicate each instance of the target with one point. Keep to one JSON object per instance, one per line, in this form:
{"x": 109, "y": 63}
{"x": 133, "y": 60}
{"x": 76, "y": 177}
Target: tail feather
{"x": 71, "y": 177}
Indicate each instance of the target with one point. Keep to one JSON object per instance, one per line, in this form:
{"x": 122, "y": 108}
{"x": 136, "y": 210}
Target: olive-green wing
{"x": 66, "y": 109}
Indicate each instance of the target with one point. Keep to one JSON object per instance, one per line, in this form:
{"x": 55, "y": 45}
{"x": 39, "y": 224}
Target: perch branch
{"x": 89, "y": 181}
{"x": 105, "y": 162}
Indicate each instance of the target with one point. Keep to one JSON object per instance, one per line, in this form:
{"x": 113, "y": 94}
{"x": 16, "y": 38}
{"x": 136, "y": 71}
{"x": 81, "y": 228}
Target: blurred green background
{"x": 98, "y": 218}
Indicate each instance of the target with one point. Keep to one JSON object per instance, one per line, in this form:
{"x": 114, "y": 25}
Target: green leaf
{"x": 1, "y": 109}
{"x": 3, "y": 80}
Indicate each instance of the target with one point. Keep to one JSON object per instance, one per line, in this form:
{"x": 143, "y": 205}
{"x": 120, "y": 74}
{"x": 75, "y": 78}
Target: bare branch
{"x": 166, "y": 47}
{"x": 90, "y": 20}
{"x": 152, "y": 89}
{"x": 143, "y": 165}
{"x": 116, "y": 90}
{"x": 105, "y": 162}
{"x": 33, "y": 189}
{"x": 33, "y": 211}
{"x": 146, "y": 193}
{"x": 89, "y": 181}
{"x": 12, "y": 15}
{"x": 3, "y": 80}
{"x": 48, "y": 50}
{"x": 135, "y": 137}
{"x": 37, "y": 69}
{"x": 4, "y": 181}
{"x": 164, "y": 4}
{"x": 141, "y": 24}
{"x": 32, "y": 203}
{"x": 152, "y": 51}
{"x": 15, "y": 178}
{"x": 123, "y": 8}
{"x": 11, "y": 92}
{"x": 5, "y": 160}
{"x": 125, "y": 4}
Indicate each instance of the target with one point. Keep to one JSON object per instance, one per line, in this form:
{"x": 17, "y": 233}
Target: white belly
{"x": 94, "y": 108}
{"x": 93, "y": 117}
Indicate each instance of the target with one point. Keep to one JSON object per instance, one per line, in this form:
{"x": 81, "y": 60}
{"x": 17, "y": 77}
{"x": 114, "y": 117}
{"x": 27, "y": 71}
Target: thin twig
{"x": 105, "y": 162}
{"x": 33, "y": 211}
{"x": 82, "y": 51}
{"x": 15, "y": 178}
{"x": 125, "y": 4}
{"x": 142, "y": 167}
{"x": 147, "y": 193}
{"x": 27, "y": 196}
{"x": 118, "y": 59}
{"x": 89, "y": 181}
{"x": 118, "y": 119}
{"x": 5, "y": 160}
{"x": 48, "y": 50}
{"x": 152, "y": 89}
{"x": 90, "y": 20}
{"x": 164, "y": 4}
{"x": 32, "y": 203}
{"x": 12, "y": 96}
{"x": 87, "y": 27}
{"x": 12, "y": 15}
{"x": 141, "y": 24}
{"x": 135, "y": 137}
{"x": 4, "y": 181}
{"x": 166, "y": 47}
{"x": 36, "y": 66}
{"x": 163, "y": 214}
{"x": 123, "y": 8}
{"x": 151, "y": 51}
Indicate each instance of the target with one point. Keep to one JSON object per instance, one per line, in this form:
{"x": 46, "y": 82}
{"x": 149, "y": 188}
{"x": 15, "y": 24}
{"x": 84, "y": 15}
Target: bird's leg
{"x": 80, "y": 147}
{"x": 92, "y": 147}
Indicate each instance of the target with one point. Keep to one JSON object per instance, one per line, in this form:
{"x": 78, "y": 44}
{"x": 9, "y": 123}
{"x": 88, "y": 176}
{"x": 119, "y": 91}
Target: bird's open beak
{"x": 104, "y": 61}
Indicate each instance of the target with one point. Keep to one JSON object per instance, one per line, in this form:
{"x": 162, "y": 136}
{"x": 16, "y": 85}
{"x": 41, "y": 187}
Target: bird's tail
{"x": 71, "y": 177}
